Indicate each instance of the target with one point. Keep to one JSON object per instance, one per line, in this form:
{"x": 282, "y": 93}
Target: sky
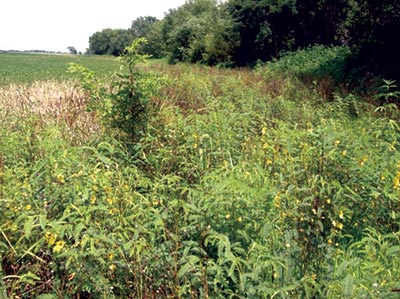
{"x": 55, "y": 25}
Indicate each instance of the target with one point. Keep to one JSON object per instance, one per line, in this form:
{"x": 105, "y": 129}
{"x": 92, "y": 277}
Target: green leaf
{"x": 348, "y": 285}
{"x": 43, "y": 221}
{"x": 28, "y": 226}
{"x": 392, "y": 250}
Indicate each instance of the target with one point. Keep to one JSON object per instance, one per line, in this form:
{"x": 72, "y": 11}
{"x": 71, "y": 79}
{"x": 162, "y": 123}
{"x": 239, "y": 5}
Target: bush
{"x": 124, "y": 103}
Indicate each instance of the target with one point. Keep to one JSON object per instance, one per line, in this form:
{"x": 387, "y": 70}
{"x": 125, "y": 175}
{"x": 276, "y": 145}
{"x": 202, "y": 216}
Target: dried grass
{"x": 50, "y": 103}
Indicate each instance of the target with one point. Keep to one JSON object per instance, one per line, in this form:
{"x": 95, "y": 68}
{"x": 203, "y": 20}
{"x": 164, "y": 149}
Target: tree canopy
{"x": 242, "y": 32}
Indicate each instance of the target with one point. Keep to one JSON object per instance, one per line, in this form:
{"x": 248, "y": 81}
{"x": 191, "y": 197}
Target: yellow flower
{"x": 60, "y": 178}
{"x": 341, "y": 215}
{"x": 263, "y": 130}
{"x": 344, "y": 153}
{"x": 50, "y": 238}
{"x": 337, "y": 224}
{"x": 239, "y": 219}
{"x": 337, "y": 142}
{"x": 328, "y": 201}
{"x": 112, "y": 267}
{"x": 330, "y": 242}
{"x": 110, "y": 256}
{"x": 59, "y": 246}
{"x": 362, "y": 161}
{"x": 107, "y": 189}
{"x": 27, "y": 207}
{"x": 93, "y": 199}
{"x": 314, "y": 276}
{"x": 109, "y": 200}
{"x": 277, "y": 199}
{"x": 227, "y": 216}
{"x": 396, "y": 181}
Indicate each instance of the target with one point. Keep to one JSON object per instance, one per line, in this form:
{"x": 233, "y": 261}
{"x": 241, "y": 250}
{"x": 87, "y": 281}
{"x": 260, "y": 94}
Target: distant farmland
{"x": 22, "y": 68}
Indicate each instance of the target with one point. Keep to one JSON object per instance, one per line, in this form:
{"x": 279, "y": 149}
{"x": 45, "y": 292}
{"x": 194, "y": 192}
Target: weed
{"x": 242, "y": 185}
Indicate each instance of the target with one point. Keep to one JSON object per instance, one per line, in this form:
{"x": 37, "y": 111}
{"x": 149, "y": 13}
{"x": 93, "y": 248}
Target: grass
{"x": 245, "y": 184}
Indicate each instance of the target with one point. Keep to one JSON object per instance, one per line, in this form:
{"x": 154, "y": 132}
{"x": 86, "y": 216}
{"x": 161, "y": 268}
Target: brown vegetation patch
{"x": 51, "y": 103}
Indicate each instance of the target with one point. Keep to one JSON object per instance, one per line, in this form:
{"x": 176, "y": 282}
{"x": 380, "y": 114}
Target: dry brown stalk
{"x": 51, "y": 103}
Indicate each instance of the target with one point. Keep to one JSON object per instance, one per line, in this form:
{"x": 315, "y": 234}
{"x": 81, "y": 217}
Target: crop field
{"x": 186, "y": 181}
{"x": 23, "y": 68}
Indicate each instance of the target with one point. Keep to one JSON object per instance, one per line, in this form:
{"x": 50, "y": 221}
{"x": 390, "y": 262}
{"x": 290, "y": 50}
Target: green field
{"x": 22, "y": 68}
{"x": 276, "y": 182}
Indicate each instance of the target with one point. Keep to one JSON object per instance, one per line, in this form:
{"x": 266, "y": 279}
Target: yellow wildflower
{"x": 314, "y": 276}
{"x": 50, "y": 238}
{"x": 112, "y": 267}
{"x": 344, "y": 153}
{"x": 93, "y": 199}
{"x": 239, "y": 219}
{"x": 60, "y": 178}
{"x": 227, "y": 216}
{"x": 396, "y": 181}
{"x": 277, "y": 199}
{"x": 341, "y": 215}
{"x": 59, "y": 246}
{"x": 107, "y": 189}
{"x": 27, "y": 207}
{"x": 263, "y": 130}
{"x": 362, "y": 161}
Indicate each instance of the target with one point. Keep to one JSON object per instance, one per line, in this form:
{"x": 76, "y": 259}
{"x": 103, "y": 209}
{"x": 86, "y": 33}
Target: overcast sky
{"x": 54, "y": 25}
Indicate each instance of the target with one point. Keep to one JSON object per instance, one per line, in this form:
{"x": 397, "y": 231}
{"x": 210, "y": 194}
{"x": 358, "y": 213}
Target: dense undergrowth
{"x": 243, "y": 184}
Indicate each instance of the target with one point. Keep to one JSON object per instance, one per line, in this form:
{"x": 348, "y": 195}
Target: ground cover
{"x": 243, "y": 184}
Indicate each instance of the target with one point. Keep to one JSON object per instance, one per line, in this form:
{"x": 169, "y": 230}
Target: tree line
{"x": 243, "y": 32}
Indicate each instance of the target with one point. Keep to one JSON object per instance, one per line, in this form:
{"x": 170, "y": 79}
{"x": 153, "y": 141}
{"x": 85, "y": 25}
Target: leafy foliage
{"x": 110, "y": 42}
{"x": 246, "y": 184}
{"x": 124, "y": 103}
